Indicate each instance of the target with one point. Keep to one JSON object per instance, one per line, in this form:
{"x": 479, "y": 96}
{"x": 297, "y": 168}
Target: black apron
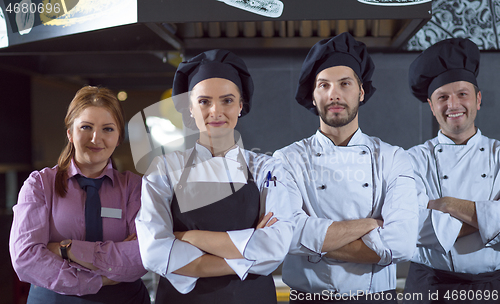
{"x": 122, "y": 293}
{"x": 440, "y": 286}
{"x": 237, "y": 211}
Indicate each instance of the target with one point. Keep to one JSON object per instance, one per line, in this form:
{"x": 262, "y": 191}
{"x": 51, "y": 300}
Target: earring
{"x": 191, "y": 114}
{"x": 239, "y": 115}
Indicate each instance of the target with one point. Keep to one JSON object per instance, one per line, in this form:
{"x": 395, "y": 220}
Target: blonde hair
{"x": 86, "y": 97}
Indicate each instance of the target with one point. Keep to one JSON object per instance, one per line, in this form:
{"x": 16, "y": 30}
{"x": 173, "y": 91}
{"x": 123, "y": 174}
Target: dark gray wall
{"x": 276, "y": 120}
{"x": 392, "y": 113}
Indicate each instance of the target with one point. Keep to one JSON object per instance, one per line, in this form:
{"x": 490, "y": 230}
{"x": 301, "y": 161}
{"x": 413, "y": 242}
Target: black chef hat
{"x": 343, "y": 50}
{"x": 450, "y": 60}
{"x": 210, "y": 64}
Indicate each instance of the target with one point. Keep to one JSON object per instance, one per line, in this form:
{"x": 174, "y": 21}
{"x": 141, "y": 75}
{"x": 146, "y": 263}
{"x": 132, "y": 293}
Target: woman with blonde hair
{"x": 214, "y": 221}
{"x": 73, "y": 235}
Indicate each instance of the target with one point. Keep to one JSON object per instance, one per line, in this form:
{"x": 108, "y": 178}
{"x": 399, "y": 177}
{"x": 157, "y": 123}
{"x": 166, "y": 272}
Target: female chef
{"x": 201, "y": 224}
{"x": 73, "y": 234}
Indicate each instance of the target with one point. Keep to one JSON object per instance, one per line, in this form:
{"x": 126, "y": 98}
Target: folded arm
{"x": 466, "y": 230}
{"x": 342, "y": 233}
{"x": 395, "y": 241}
{"x": 354, "y": 252}
{"x": 343, "y": 241}
{"x": 219, "y": 243}
{"x": 463, "y": 210}
{"x": 31, "y": 258}
{"x": 54, "y": 247}
{"x": 206, "y": 266}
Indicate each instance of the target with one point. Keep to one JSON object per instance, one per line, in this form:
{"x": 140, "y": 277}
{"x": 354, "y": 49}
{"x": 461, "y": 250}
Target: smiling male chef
{"x": 457, "y": 259}
{"x": 354, "y": 196}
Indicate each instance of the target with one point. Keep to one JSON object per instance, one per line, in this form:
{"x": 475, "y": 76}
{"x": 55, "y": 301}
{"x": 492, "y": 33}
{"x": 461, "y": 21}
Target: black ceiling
{"x": 144, "y": 55}
{"x": 130, "y": 56}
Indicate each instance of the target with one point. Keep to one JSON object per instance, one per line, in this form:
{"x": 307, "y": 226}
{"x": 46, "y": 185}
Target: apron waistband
{"x": 451, "y": 277}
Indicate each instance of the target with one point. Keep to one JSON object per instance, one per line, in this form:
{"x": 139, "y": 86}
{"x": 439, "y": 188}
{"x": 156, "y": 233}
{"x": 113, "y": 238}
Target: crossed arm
{"x": 55, "y": 248}
{"x": 218, "y": 246}
{"x": 461, "y": 209}
{"x": 343, "y": 241}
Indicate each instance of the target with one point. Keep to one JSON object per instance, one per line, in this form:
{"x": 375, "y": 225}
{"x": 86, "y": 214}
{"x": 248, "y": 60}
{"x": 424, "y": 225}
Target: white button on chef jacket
{"x": 469, "y": 172}
{"x": 366, "y": 178}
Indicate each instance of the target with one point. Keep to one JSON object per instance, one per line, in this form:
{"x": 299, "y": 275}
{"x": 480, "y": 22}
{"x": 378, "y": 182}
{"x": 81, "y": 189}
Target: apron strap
{"x": 187, "y": 168}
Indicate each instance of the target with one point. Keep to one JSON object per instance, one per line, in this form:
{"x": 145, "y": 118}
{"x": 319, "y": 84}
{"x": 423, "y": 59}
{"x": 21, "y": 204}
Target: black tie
{"x": 93, "y": 220}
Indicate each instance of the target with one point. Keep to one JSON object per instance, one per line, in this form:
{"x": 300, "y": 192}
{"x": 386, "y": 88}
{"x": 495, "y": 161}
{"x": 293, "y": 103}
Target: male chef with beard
{"x": 354, "y": 196}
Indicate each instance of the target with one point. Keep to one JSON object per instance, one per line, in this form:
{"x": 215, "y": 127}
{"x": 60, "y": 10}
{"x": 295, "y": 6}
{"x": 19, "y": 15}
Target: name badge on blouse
{"x": 111, "y": 212}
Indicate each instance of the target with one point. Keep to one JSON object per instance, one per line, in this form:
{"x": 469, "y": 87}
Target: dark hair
{"x": 358, "y": 80}
{"x": 86, "y": 97}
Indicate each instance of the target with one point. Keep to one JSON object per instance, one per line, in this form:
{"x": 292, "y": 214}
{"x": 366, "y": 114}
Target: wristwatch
{"x": 64, "y": 246}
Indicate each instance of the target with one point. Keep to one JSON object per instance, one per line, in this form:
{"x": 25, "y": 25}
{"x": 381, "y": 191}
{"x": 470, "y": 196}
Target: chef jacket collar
{"x": 443, "y": 139}
{"x": 356, "y": 140}
{"x": 204, "y": 153}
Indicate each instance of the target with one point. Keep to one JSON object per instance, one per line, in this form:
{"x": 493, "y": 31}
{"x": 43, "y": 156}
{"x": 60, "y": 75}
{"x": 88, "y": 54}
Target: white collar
{"x": 357, "y": 139}
{"x": 443, "y": 139}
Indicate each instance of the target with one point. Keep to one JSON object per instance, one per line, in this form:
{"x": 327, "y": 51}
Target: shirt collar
{"x": 108, "y": 171}
{"x": 443, "y": 139}
{"x": 356, "y": 139}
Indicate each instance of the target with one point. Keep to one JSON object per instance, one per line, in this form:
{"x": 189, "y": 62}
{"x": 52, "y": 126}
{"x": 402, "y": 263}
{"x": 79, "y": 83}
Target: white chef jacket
{"x": 471, "y": 172}
{"x": 365, "y": 179}
{"x": 263, "y": 249}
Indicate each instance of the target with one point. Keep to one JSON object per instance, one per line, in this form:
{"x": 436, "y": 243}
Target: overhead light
{"x": 122, "y": 96}
{"x": 164, "y": 132}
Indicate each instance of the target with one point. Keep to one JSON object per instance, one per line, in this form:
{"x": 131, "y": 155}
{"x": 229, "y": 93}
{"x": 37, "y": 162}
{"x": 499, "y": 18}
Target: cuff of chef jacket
{"x": 446, "y": 229}
{"x": 240, "y": 266}
{"x": 487, "y": 213}
{"x": 183, "y": 284}
{"x": 374, "y": 242}
{"x": 83, "y": 250}
{"x": 313, "y": 234}
{"x": 181, "y": 254}
{"x": 240, "y": 238}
